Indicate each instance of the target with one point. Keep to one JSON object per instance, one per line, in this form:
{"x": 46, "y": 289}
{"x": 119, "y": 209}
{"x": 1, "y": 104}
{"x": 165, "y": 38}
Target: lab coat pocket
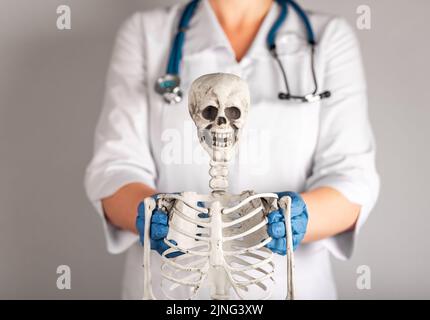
{"x": 180, "y": 155}
{"x": 176, "y": 122}
{"x": 279, "y": 140}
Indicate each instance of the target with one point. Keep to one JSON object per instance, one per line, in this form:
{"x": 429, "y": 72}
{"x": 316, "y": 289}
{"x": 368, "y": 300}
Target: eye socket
{"x": 233, "y": 113}
{"x": 210, "y": 113}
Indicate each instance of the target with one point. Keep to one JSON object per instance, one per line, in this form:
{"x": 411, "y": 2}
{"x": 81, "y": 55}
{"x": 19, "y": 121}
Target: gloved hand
{"x": 276, "y": 224}
{"x": 158, "y": 230}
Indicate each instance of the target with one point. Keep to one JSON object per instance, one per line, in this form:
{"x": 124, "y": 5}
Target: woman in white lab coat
{"x": 323, "y": 150}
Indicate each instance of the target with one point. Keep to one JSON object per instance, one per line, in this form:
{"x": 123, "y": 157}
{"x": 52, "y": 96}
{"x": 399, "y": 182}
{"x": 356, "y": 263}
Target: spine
{"x": 219, "y": 177}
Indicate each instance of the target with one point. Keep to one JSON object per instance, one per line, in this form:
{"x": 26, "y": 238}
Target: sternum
{"x": 220, "y": 282}
{"x": 216, "y": 232}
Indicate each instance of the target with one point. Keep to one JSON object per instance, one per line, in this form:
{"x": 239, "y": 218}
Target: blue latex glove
{"x": 158, "y": 230}
{"x": 276, "y": 224}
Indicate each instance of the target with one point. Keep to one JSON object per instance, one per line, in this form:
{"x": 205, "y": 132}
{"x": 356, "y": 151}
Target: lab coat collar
{"x": 205, "y": 32}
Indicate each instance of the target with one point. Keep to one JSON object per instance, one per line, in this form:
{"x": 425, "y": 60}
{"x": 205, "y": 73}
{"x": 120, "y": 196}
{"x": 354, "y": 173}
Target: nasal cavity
{"x": 221, "y": 120}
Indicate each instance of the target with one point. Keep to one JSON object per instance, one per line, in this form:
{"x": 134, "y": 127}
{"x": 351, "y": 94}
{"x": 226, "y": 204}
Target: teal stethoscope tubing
{"x": 168, "y": 85}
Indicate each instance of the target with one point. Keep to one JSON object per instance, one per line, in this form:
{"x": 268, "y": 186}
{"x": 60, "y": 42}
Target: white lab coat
{"x": 285, "y": 146}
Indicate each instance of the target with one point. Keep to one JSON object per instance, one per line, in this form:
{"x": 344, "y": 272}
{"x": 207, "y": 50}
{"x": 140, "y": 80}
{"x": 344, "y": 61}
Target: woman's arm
{"x": 121, "y": 208}
{"x": 329, "y": 212}
{"x": 122, "y": 171}
{"x": 343, "y": 177}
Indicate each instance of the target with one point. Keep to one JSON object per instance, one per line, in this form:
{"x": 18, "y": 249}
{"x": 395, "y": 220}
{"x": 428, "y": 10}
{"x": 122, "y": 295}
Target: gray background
{"x": 51, "y": 89}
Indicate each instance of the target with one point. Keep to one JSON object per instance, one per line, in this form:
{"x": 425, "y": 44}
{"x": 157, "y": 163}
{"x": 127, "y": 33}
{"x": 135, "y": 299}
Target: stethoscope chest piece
{"x": 169, "y": 87}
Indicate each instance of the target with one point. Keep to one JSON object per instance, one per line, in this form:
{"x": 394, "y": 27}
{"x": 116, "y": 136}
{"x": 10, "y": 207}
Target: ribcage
{"x": 222, "y": 248}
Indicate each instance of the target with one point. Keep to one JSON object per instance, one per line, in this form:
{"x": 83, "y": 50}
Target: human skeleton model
{"x": 221, "y": 236}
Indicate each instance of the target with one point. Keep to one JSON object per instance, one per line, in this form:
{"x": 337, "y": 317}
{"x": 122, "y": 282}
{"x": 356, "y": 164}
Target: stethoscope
{"x": 168, "y": 85}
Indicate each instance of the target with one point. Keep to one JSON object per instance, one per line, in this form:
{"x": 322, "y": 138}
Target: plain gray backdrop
{"x": 51, "y": 90}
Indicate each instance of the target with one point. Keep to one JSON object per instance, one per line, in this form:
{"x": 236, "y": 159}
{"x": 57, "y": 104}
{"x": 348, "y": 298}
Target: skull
{"x": 218, "y": 104}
